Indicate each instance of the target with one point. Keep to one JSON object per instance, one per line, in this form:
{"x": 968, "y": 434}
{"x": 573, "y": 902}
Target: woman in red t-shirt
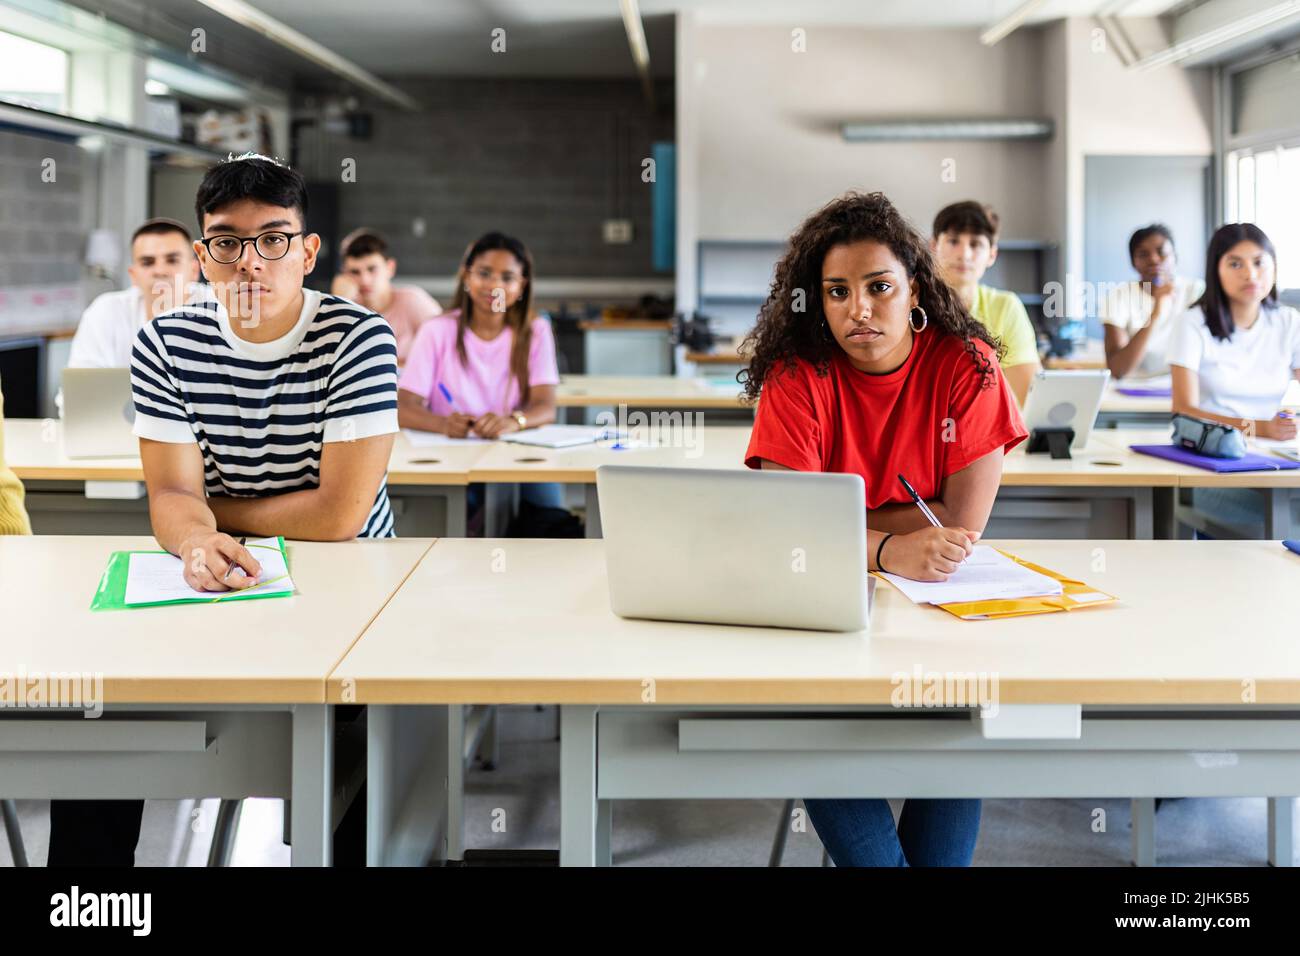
{"x": 868, "y": 364}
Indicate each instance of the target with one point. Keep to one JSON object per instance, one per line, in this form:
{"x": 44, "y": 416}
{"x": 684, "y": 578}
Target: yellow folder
{"x": 1075, "y": 595}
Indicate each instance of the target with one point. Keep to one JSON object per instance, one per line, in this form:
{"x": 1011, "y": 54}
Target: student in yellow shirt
{"x": 965, "y": 246}
{"x": 13, "y": 518}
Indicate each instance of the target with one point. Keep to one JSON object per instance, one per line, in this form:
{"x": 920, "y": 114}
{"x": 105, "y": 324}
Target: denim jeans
{"x": 543, "y": 493}
{"x": 929, "y": 832}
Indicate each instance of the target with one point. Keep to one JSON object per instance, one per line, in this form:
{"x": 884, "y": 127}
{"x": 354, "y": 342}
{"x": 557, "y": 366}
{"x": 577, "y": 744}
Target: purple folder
{"x": 1139, "y": 392}
{"x": 1251, "y": 462}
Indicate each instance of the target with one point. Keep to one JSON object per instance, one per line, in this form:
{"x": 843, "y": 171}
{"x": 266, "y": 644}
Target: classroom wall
{"x": 1114, "y": 111}
{"x": 547, "y": 160}
{"x": 769, "y": 145}
{"x": 43, "y": 242}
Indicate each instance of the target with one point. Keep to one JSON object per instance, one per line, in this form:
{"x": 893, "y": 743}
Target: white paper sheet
{"x": 152, "y": 578}
{"x": 987, "y": 574}
{"x": 419, "y": 439}
{"x": 560, "y": 436}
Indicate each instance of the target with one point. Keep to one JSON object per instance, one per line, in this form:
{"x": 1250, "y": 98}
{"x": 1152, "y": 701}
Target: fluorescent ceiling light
{"x": 898, "y": 131}
{"x": 636, "y": 42}
{"x": 156, "y": 88}
{"x": 1220, "y": 35}
{"x": 289, "y": 38}
{"x": 1011, "y": 22}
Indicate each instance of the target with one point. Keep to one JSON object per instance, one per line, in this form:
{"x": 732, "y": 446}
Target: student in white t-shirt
{"x": 1233, "y": 355}
{"x": 1140, "y": 316}
{"x": 163, "y": 270}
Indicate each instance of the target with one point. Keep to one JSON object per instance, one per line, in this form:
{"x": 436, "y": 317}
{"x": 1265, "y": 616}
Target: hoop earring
{"x": 925, "y": 319}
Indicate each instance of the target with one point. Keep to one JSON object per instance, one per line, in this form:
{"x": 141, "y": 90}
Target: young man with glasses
{"x": 269, "y": 410}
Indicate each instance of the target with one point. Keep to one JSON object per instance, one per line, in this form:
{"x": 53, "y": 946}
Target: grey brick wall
{"x": 547, "y": 160}
{"x": 43, "y": 236}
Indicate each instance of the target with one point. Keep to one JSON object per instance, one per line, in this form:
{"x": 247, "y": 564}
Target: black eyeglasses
{"x": 228, "y": 249}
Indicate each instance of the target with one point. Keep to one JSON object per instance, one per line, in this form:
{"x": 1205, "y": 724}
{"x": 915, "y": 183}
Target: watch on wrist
{"x": 521, "y": 419}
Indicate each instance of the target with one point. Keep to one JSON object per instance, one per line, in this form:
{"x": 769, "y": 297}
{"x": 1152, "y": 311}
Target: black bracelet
{"x": 880, "y": 547}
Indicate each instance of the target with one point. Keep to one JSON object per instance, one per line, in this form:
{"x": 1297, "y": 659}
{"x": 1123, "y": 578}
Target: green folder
{"x": 111, "y": 594}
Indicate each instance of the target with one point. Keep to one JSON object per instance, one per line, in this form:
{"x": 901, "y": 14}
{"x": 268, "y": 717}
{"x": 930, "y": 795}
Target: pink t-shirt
{"x": 411, "y": 307}
{"x": 485, "y": 384}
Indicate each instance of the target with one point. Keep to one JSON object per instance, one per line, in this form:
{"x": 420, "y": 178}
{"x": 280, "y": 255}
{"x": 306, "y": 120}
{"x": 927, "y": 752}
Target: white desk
{"x": 199, "y": 701}
{"x": 426, "y": 485}
{"x": 657, "y": 710}
{"x": 1105, "y": 490}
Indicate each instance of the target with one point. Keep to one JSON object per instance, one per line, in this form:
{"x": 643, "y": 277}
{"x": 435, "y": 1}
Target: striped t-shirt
{"x": 261, "y": 411}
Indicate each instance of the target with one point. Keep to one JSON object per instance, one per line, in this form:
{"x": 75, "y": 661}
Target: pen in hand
{"x": 920, "y": 503}
{"x": 230, "y": 567}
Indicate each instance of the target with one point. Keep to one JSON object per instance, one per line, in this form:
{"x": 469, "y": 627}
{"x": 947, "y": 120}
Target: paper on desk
{"x": 419, "y": 439}
{"x": 560, "y": 436}
{"x": 155, "y": 577}
{"x": 985, "y": 575}
{"x": 1287, "y": 448}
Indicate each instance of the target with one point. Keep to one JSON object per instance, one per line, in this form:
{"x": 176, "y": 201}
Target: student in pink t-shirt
{"x": 367, "y": 279}
{"x": 487, "y": 366}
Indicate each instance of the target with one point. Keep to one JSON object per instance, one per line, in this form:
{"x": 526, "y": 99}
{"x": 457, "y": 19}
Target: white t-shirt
{"x": 1129, "y": 308}
{"x": 106, "y": 333}
{"x": 1245, "y": 375}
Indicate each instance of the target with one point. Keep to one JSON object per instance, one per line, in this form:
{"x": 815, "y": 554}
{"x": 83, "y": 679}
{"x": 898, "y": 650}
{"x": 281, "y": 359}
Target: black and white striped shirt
{"x": 262, "y": 411}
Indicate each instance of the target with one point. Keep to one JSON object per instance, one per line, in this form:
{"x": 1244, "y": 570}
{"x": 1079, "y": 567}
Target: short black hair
{"x": 160, "y": 227}
{"x": 1214, "y": 301}
{"x": 1145, "y": 233}
{"x": 968, "y": 217}
{"x": 255, "y": 177}
{"x": 362, "y": 243}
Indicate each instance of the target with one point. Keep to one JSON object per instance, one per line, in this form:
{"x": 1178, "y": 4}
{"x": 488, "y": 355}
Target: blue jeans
{"x": 929, "y": 832}
{"x": 545, "y": 494}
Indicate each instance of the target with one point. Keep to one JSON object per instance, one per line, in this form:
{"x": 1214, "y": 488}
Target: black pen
{"x": 242, "y": 541}
{"x": 920, "y": 503}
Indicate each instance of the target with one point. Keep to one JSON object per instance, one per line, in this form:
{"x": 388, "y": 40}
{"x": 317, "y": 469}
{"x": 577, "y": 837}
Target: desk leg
{"x": 312, "y": 782}
{"x": 1281, "y": 822}
{"x": 1144, "y": 831}
{"x": 456, "y": 511}
{"x": 1277, "y": 513}
{"x": 456, "y": 780}
{"x": 579, "y": 841}
{"x": 593, "y": 512}
{"x": 1143, "y": 515}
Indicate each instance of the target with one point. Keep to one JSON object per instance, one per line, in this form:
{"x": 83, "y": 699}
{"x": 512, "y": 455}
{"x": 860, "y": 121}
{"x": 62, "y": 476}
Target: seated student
{"x": 164, "y": 274}
{"x": 882, "y": 373}
{"x": 1233, "y": 354}
{"x": 487, "y": 366}
{"x": 13, "y": 517}
{"x": 367, "y": 279}
{"x": 269, "y": 410}
{"x": 1140, "y": 316}
{"x": 965, "y": 246}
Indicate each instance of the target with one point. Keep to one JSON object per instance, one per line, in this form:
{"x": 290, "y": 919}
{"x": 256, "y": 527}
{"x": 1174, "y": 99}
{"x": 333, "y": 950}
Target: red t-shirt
{"x": 925, "y": 420}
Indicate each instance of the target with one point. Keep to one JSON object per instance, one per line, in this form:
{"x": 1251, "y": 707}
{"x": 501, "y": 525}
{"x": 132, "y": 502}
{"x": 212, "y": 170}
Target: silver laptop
{"x": 98, "y": 413}
{"x": 1068, "y": 398}
{"x": 767, "y": 548}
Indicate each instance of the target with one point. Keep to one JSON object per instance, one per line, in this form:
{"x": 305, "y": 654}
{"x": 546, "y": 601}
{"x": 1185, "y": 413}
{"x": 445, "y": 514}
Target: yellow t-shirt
{"x": 13, "y": 519}
{"x": 1004, "y": 315}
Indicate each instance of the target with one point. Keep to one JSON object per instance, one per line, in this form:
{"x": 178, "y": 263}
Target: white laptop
{"x": 98, "y": 412}
{"x": 717, "y": 546}
{"x": 1069, "y": 398}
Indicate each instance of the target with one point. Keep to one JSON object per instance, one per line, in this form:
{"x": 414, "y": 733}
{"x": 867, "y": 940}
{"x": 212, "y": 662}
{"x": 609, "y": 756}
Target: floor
{"x": 516, "y": 806}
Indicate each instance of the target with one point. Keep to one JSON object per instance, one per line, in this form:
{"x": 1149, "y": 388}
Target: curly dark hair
{"x": 783, "y": 334}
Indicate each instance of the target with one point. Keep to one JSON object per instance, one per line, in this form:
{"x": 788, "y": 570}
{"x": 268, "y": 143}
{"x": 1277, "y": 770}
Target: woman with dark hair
{"x": 487, "y": 366}
{"x": 868, "y": 364}
{"x": 1140, "y": 316}
{"x": 1235, "y": 351}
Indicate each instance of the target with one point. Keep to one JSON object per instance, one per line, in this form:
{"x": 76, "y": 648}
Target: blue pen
{"x": 447, "y": 395}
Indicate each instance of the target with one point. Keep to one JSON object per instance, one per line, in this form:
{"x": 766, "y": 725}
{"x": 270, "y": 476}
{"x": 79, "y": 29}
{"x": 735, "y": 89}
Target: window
{"x": 1261, "y": 172}
{"x": 33, "y": 74}
{"x": 1263, "y": 187}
